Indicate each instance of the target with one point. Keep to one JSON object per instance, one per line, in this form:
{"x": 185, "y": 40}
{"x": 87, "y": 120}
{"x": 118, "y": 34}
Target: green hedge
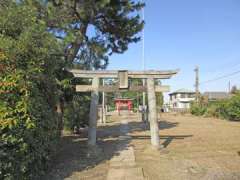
{"x": 227, "y": 109}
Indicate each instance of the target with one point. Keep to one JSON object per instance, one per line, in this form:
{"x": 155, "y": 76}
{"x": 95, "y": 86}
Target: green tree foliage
{"x": 234, "y": 90}
{"x": 137, "y": 97}
{"x": 91, "y": 31}
{"x": 38, "y": 38}
{"x": 198, "y": 109}
{"x": 226, "y": 109}
{"x": 77, "y": 115}
{"x": 232, "y": 110}
{"x": 28, "y": 91}
{"x": 94, "y": 29}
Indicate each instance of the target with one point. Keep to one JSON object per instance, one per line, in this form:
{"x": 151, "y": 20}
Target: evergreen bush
{"x": 29, "y": 127}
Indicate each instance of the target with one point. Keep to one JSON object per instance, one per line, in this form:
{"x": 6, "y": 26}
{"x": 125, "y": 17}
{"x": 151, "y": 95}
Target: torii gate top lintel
{"x": 122, "y": 76}
{"x": 131, "y": 74}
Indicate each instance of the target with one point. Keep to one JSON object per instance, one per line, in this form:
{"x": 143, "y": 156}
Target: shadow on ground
{"x": 73, "y": 161}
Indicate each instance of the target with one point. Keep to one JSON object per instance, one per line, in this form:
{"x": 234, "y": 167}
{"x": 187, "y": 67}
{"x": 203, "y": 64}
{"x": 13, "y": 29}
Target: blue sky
{"x": 185, "y": 33}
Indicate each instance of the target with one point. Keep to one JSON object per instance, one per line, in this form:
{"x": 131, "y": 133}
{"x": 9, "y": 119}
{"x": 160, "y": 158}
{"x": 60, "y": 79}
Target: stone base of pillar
{"x": 154, "y": 150}
{"x": 158, "y": 148}
{"x": 94, "y": 151}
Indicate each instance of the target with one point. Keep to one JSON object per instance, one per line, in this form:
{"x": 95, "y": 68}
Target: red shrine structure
{"x": 123, "y": 103}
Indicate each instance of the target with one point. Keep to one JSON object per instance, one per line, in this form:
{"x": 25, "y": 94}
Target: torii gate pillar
{"x": 92, "y": 128}
{"x": 154, "y": 128}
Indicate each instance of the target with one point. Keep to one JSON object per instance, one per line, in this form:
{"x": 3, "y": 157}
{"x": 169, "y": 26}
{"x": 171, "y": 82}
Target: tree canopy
{"x": 38, "y": 40}
{"x": 94, "y": 29}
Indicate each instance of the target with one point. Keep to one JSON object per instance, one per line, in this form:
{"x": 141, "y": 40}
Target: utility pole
{"x": 197, "y": 84}
{"x": 144, "y": 108}
{"x": 143, "y": 40}
{"x": 229, "y": 87}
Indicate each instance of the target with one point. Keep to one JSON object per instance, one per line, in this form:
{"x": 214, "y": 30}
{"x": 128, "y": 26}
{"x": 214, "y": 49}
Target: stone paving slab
{"x": 123, "y": 164}
{"x": 125, "y": 174}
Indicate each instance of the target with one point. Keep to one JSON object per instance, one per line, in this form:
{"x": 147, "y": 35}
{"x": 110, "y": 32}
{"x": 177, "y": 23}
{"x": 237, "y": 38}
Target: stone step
{"x": 126, "y": 174}
{"x": 117, "y": 165}
{"x": 80, "y": 177}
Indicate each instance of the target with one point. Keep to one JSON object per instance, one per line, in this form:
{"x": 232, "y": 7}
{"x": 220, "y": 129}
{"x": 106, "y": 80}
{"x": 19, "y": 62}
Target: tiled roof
{"x": 216, "y": 95}
{"x": 180, "y": 91}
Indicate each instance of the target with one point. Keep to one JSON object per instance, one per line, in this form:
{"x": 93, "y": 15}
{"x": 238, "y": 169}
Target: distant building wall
{"x": 181, "y": 100}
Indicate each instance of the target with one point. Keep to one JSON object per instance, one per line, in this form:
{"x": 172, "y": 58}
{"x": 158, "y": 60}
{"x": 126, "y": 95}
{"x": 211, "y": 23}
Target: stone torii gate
{"x": 123, "y": 85}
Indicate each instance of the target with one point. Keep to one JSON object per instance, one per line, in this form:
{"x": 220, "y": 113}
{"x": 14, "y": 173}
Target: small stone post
{"x": 92, "y": 129}
{"x": 103, "y": 106}
{"x": 104, "y": 115}
{"x": 153, "y": 113}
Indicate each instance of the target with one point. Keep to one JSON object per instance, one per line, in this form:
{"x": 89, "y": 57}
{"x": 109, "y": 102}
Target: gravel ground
{"x": 194, "y": 148}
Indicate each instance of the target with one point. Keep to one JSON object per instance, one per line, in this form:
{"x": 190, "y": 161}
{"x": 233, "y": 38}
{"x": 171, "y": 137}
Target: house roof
{"x": 181, "y": 91}
{"x": 216, "y": 95}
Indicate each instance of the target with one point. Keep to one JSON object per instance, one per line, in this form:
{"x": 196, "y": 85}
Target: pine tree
{"x": 94, "y": 29}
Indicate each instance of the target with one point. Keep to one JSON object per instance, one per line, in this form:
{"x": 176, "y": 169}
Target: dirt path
{"x": 195, "y": 148}
{"x": 116, "y": 158}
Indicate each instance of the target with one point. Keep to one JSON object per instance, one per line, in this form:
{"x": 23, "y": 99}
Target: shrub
{"x": 221, "y": 109}
{"x": 76, "y": 113}
{"x": 232, "y": 110}
{"x": 227, "y": 109}
{"x": 28, "y": 93}
{"x": 212, "y": 111}
{"x": 198, "y": 109}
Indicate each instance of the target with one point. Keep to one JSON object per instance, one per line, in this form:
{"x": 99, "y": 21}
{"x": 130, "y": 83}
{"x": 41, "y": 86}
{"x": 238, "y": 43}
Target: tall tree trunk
{"x": 60, "y": 112}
